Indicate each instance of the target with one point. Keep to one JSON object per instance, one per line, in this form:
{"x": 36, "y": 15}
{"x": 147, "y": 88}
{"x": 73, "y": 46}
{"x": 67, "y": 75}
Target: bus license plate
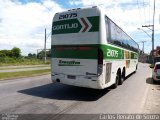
{"x": 71, "y": 77}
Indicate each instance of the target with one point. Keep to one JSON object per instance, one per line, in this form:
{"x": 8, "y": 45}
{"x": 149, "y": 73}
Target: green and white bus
{"x": 89, "y": 50}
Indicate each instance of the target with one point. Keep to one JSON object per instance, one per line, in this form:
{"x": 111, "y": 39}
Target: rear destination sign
{"x": 89, "y": 24}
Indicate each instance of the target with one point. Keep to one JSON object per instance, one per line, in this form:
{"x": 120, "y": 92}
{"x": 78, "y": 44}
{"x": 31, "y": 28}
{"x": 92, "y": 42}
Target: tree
{"x": 48, "y": 53}
{"x": 40, "y": 55}
{"x": 34, "y": 55}
{"x": 7, "y": 53}
{"x": 16, "y": 52}
{"x": 2, "y": 54}
{"x": 30, "y": 55}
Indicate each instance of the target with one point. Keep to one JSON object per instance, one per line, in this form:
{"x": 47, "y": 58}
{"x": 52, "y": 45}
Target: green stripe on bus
{"x": 110, "y": 52}
{"x": 90, "y": 52}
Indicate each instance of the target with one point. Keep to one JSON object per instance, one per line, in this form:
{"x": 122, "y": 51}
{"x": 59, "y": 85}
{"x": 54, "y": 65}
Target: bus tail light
{"x": 100, "y": 62}
{"x": 100, "y": 57}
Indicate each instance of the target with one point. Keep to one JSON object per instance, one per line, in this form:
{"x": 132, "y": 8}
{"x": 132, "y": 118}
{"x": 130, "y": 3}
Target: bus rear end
{"x": 75, "y": 52}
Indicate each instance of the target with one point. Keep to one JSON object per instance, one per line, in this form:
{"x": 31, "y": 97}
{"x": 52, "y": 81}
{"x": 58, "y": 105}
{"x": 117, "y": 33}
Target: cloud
{"x": 129, "y": 15}
{"x": 22, "y": 25}
{"x": 117, "y": 11}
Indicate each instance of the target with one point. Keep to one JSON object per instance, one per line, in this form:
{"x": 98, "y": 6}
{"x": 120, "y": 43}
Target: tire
{"x": 134, "y": 72}
{"x": 117, "y": 82}
{"x": 136, "y": 69}
{"x": 121, "y": 80}
{"x": 154, "y": 82}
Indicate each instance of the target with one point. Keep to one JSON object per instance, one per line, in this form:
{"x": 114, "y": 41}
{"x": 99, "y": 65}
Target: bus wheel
{"x": 122, "y": 78}
{"x": 136, "y": 66}
{"x": 136, "y": 69}
{"x": 116, "y": 82}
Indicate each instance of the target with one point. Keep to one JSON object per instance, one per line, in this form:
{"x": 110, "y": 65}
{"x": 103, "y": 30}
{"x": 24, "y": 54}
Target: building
{"x": 156, "y": 52}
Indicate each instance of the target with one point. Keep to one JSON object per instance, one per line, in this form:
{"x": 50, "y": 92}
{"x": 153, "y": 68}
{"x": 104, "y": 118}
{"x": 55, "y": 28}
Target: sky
{"x": 23, "y": 22}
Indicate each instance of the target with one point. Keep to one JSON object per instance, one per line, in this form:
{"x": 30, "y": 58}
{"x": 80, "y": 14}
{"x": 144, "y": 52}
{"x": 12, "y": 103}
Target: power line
{"x": 149, "y": 12}
{"x": 144, "y": 12}
{"x": 48, "y": 35}
{"x": 147, "y": 26}
{"x": 139, "y": 11}
{"x": 144, "y": 32}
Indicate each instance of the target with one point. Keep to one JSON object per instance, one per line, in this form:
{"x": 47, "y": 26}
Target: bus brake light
{"x": 100, "y": 57}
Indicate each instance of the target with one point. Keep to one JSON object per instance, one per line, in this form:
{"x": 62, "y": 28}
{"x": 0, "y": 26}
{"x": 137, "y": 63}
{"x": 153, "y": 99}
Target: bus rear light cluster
{"x": 100, "y": 57}
{"x": 100, "y": 62}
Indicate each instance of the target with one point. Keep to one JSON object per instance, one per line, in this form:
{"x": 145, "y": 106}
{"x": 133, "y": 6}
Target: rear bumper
{"x": 81, "y": 81}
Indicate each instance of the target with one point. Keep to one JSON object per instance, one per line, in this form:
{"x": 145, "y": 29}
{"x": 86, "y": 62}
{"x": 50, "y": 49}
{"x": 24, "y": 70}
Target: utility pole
{"x": 142, "y": 45}
{"x": 153, "y": 27}
{"x": 45, "y": 47}
{"x": 152, "y": 31}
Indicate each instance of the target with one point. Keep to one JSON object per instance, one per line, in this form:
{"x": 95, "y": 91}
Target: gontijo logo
{"x": 88, "y": 24}
{"x": 65, "y": 26}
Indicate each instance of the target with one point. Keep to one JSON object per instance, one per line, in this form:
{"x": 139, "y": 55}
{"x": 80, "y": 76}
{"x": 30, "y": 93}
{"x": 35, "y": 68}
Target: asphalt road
{"x": 38, "y": 95}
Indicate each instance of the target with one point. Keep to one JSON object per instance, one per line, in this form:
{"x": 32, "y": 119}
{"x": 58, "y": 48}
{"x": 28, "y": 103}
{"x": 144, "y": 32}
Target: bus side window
{"x": 107, "y": 28}
{"x": 115, "y": 35}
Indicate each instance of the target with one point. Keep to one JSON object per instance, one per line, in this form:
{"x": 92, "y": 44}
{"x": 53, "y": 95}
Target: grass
{"x": 21, "y": 61}
{"x": 12, "y": 75}
{"x": 22, "y": 67}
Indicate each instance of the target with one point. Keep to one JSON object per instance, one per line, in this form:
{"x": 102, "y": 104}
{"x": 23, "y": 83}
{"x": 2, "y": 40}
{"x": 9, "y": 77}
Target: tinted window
{"x": 117, "y": 36}
{"x": 107, "y": 27}
{"x": 114, "y": 33}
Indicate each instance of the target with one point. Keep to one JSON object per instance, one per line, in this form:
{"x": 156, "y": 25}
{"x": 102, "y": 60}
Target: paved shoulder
{"x": 152, "y": 104}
